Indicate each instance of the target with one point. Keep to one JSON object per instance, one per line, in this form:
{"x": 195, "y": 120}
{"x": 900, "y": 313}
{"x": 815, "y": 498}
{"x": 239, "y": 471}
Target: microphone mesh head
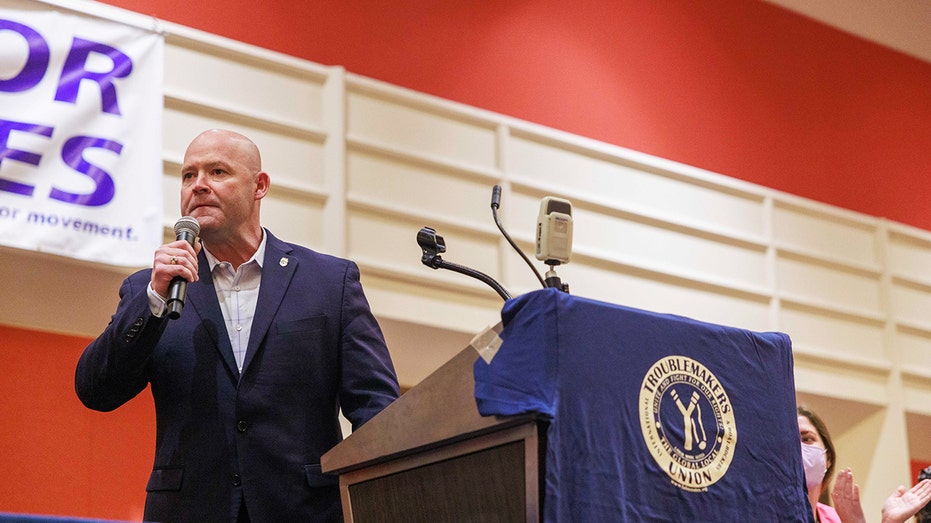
{"x": 187, "y": 224}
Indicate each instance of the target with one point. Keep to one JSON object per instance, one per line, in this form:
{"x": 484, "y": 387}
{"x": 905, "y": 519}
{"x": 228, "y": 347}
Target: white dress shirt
{"x": 237, "y": 293}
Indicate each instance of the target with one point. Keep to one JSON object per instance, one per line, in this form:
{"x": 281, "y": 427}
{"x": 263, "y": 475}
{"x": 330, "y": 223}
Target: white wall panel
{"x": 418, "y": 301}
{"x": 381, "y": 239}
{"x": 179, "y": 126}
{"x": 294, "y": 218}
{"x": 622, "y": 183}
{"x": 912, "y": 304}
{"x": 294, "y": 161}
{"x": 672, "y": 251}
{"x": 434, "y": 134}
{"x": 914, "y": 349}
{"x": 830, "y": 285}
{"x": 910, "y": 256}
{"x": 815, "y": 378}
{"x": 416, "y": 188}
{"x": 221, "y": 77}
{"x": 641, "y": 289}
{"x": 833, "y": 335}
{"x": 826, "y": 232}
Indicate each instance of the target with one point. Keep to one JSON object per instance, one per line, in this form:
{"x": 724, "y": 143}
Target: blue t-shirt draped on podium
{"x": 654, "y": 417}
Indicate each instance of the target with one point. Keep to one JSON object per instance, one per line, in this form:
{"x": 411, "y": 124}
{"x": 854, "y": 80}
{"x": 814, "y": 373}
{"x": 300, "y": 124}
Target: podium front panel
{"x": 487, "y": 485}
{"x": 494, "y": 477}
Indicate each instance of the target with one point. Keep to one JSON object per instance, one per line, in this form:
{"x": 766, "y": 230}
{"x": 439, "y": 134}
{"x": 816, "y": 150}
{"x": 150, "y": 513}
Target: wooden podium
{"x": 609, "y": 438}
{"x": 431, "y": 457}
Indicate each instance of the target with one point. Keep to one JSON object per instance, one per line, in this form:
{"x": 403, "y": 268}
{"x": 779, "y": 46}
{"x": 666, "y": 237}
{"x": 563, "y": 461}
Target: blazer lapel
{"x": 202, "y": 296}
{"x": 277, "y": 270}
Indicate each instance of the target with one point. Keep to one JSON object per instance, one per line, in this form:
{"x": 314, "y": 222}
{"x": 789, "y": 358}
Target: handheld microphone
{"x": 187, "y": 229}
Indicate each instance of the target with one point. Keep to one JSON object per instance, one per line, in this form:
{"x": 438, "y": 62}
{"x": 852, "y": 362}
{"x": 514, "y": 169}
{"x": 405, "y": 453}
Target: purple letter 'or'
{"x": 75, "y": 71}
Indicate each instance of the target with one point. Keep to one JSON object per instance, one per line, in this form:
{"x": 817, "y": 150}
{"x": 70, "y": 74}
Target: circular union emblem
{"x": 687, "y": 422}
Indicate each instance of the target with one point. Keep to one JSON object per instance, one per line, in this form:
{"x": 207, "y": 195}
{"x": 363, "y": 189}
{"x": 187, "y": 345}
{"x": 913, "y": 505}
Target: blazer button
{"x": 241, "y": 426}
{"x": 237, "y": 481}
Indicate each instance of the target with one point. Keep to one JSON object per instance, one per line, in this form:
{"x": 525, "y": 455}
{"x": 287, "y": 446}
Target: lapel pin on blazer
{"x": 283, "y": 262}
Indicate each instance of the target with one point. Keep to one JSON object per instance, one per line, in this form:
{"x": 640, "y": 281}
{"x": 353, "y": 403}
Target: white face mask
{"x": 813, "y": 457}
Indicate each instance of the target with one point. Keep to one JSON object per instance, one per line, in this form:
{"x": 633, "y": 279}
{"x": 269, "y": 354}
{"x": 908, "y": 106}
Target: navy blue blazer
{"x": 221, "y": 437}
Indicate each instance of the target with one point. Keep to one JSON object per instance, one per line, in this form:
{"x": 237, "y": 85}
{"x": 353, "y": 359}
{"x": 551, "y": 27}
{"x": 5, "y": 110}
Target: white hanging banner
{"x": 80, "y": 135}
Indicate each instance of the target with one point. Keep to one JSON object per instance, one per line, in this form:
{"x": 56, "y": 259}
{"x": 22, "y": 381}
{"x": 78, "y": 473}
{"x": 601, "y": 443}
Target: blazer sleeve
{"x": 368, "y": 381}
{"x": 112, "y": 369}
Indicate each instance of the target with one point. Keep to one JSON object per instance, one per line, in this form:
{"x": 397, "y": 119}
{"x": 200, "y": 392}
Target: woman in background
{"x": 819, "y": 458}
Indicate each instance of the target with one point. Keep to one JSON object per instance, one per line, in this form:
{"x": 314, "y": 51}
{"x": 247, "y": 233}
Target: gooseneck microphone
{"x": 433, "y": 245}
{"x": 495, "y": 203}
{"x": 187, "y": 229}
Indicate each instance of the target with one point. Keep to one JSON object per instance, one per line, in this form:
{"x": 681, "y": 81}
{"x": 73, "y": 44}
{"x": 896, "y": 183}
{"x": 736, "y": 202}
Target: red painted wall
{"x": 60, "y": 458}
{"x": 742, "y": 88}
